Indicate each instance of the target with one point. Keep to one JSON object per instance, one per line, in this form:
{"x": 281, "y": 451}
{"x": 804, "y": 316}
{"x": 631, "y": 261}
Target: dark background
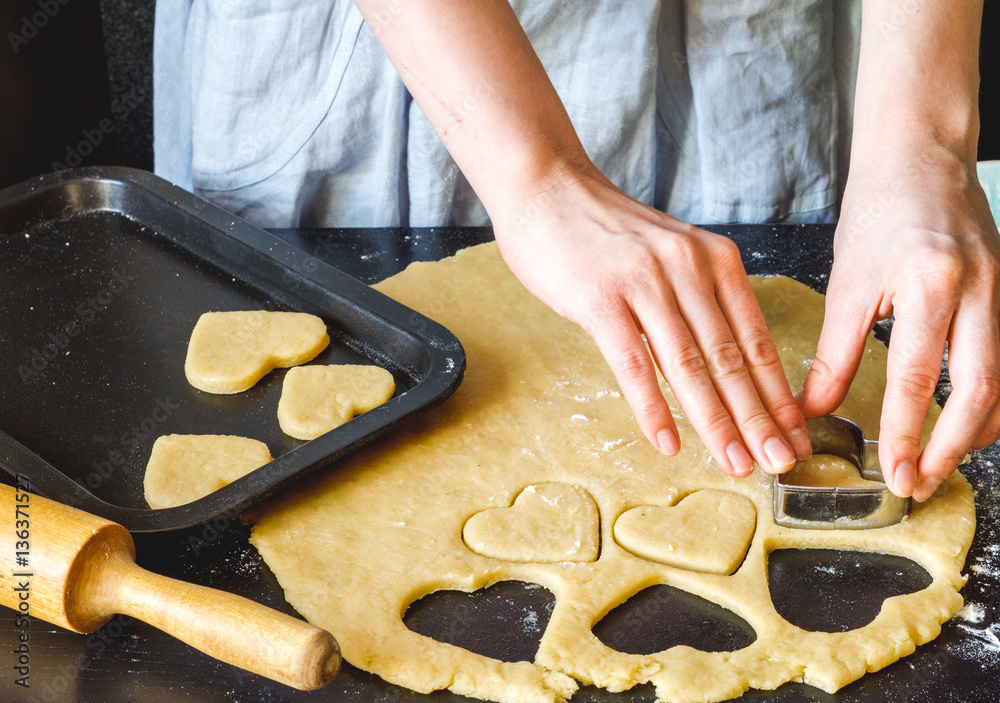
{"x": 90, "y": 62}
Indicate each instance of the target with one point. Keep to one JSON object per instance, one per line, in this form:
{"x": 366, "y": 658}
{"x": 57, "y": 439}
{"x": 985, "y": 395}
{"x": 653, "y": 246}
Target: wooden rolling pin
{"x": 78, "y": 570}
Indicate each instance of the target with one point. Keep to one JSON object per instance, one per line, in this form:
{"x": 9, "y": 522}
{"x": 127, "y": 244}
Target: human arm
{"x": 613, "y": 265}
{"x": 916, "y": 239}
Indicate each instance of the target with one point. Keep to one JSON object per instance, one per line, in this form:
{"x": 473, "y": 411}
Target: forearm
{"x": 472, "y": 70}
{"x": 918, "y": 77}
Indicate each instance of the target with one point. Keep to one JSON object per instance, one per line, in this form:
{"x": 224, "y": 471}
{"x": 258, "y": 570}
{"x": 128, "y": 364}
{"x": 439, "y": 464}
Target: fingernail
{"x": 904, "y": 478}
{"x": 779, "y": 456}
{"x": 667, "y": 441}
{"x": 800, "y": 442}
{"x": 888, "y": 473}
{"x": 740, "y": 459}
{"x": 926, "y": 488}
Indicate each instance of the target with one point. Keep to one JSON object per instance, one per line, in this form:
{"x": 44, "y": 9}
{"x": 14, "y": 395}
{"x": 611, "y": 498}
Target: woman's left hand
{"x": 916, "y": 239}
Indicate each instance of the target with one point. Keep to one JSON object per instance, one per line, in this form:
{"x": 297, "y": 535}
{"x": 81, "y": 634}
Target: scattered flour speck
{"x": 985, "y": 637}
{"x": 971, "y": 612}
{"x": 597, "y": 396}
{"x": 530, "y": 622}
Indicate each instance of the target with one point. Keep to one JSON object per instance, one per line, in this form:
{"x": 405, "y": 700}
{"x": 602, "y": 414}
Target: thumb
{"x": 841, "y": 345}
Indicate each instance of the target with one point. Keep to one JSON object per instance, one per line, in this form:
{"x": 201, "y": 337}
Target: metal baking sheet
{"x": 105, "y": 272}
{"x": 128, "y": 661}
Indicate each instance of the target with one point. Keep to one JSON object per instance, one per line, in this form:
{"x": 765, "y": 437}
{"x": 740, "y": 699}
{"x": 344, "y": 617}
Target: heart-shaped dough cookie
{"x": 548, "y": 523}
{"x": 708, "y": 531}
{"x": 315, "y": 399}
{"x": 184, "y": 467}
{"x": 230, "y": 351}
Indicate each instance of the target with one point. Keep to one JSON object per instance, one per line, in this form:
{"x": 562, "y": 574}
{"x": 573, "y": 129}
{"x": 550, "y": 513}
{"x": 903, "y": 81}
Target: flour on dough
{"x": 184, "y": 468}
{"x": 707, "y": 531}
{"x": 315, "y": 399}
{"x": 230, "y": 351}
{"x": 354, "y": 547}
{"x": 552, "y": 522}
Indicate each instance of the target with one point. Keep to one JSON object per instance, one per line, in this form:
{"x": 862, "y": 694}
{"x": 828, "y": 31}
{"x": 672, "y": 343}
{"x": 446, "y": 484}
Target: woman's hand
{"x": 916, "y": 239}
{"x": 601, "y": 259}
{"x": 622, "y": 270}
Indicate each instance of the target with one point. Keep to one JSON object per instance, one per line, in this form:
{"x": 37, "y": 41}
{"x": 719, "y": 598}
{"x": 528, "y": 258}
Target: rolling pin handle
{"x": 231, "y": 628}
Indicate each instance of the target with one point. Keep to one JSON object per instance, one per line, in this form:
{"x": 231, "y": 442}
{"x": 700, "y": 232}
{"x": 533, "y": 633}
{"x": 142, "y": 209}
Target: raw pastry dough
{"x": 230, "y": 351}
{"x": 315, "y": 399}
{"x": 707, "y": 531}
{"x": 185, "y": 467}
{"x": 552, "y": 522}
{"x": 354, "y": 547}
{"x": 829, "y": 471}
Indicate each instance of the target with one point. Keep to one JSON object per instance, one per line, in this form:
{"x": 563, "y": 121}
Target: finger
{"x": 915, "y": 352}
{"x": 621, "y": 344}
{"x": 724, "y": 371}
{"x": 739, "y": 305}
{"x": 734, "y": 385}
{"x": 846, "y": 324}
{"x": 682, "y": 363}
{"x": 974, "y": 361}
{"x": 990, "y": 432}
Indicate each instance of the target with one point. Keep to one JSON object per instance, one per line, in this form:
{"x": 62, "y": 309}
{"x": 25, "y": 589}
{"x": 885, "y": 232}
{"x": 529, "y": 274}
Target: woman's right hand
{"x": 621, "y": 270}
{"x": 617, "y": 267}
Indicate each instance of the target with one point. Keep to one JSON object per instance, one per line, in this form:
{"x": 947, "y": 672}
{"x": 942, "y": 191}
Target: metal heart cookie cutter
{"x": 832, "y": 508}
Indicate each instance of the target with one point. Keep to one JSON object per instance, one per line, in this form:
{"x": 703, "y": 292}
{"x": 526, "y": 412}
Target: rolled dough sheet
{"x": 183, "y": 468}
{"x": 355, "y": 546}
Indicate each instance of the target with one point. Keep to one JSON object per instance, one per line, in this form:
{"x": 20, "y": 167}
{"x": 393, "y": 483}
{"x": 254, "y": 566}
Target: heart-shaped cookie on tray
{"x": 184, "y": 468}
{"x": 230, "y": 351}
{"x": 315, "y": 399}
{"x": 548, "y": 523}
{"x": 707, "y": 531}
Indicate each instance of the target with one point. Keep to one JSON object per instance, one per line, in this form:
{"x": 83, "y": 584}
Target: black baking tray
{"x": 105, "y": 272}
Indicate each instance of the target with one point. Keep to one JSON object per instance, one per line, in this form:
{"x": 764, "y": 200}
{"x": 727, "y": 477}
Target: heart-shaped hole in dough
{"x": 505, "y": 621}
{"x": 315, "y": 399}
{"x": 548, "y": 523}
{"x": 829, "y": 590}
{"x": 707, "y": 531}
{"x": 230, "y": 351}
{"x": 660, "y": 617}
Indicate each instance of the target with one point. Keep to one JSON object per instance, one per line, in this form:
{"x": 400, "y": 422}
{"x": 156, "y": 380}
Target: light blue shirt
{"x": 288, "y": 113}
